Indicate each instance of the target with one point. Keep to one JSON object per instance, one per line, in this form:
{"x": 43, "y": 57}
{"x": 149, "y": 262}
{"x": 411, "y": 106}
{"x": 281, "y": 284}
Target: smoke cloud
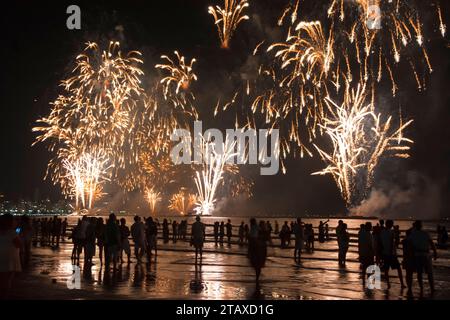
{"x": 421, "y": 199}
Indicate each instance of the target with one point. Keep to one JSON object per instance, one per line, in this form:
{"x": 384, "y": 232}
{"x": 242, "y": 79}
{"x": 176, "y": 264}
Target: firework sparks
{"x": 228, "y": 18}
{"x": 442, "y": 26}
{"x": 180, "y": 73}
{"x": 85, "y": 177}
{"x": 168, "y": 105}
{"x": 208, "y": 179}
{"x": 359, "y": 138}
{"x": 388, "y": 29}
{"x": 182, "y": 202}
{"x": 95, "y": 113}
{"x": 153, "y": 197}
{"x": 290, "y": 92}
{"x": 308, "y": 46}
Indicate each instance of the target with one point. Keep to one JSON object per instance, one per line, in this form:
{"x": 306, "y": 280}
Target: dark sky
{"x": 38, "y": 51}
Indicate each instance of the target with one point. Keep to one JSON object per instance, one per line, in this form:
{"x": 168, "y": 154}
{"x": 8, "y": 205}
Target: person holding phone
{"x": 9, "y": 254}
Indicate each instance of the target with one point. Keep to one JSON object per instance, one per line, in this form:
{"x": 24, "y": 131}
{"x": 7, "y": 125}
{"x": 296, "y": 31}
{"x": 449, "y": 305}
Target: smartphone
{"x": 18, "y": 230}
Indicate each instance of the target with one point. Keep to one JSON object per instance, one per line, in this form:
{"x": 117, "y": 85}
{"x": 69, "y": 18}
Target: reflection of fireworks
{"x": 182, "y": 202}
{"x": 228, "y": 18}
{"x": 95, "y": 114}
{"x": 152, "y": 197}
{"x": 84, "y": 177}
{"x": 359, "y": 139}
{"x": 207, "y": 180}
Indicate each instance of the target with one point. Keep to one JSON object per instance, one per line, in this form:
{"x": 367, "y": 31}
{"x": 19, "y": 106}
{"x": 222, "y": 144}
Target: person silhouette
{"x": 229, "y": 228}
{"x": 257, "y": 249}
{"x": 198, "y": 238}
{"x": 422, "y": 243}
{"x": 389, "y": 252}
{"x": 221, "y": 232}
{"x": 299, "y": 237}
{"x": 216, "y": 233}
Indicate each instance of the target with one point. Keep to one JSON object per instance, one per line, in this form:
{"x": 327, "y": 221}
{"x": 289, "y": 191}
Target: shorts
{"x": 390, "y": 262}
{"x": 423, "y": 263}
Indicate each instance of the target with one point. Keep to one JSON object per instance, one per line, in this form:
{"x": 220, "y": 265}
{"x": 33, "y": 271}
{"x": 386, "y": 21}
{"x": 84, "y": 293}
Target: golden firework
{"x": 207, "y": 180}
{"x": 228, "y": 18}
{"x": 359, "y": 139}
{"x": 179, "y": 73}
{"x": 85, "y": 177}
{"x": 153, "y": 197}
{"x": 95, "y": 112}
{"x": 182, "y": 202}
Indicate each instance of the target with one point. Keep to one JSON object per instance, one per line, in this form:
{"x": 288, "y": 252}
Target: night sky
{"x": 38, "y": 51}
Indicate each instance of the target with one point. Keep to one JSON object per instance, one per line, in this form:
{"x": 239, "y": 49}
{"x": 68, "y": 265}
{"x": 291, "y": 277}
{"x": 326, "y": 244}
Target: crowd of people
{"x": 112, "y": 239}
{"x": 49, "y": 231}
{"x": 377, "y": 245}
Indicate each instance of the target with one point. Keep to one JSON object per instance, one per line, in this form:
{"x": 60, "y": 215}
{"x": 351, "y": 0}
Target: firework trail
{"x": 292, "y": 9}
{"x": 442, "y": 26}
{"x": 228, "y": 18}
{"x": 208, "y": 179}
{"x": 359, "y": 138}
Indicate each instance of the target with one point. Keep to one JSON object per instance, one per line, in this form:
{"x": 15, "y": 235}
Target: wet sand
{"x": 225, "y": 274}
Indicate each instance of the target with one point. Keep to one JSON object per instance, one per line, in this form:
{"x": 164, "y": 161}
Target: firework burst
{"x": 85, "y": 177}
{"x": 180, "y": 73}
{"x": 168, "y": 105}
{"x": 95, "y": 112}
{"x": 153, "y": 197}
{"x": 228, "y": 18}
{"x": 208, "y": 179}
{"x": 359, "y": 138}
{"x": 182, "y": 202}
{"x": 380, "y": 33}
